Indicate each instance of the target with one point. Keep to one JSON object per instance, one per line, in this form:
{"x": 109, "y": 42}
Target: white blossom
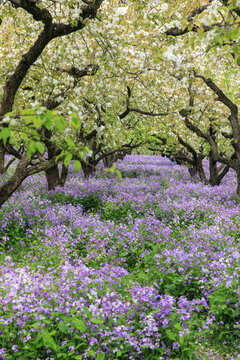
{"x": 121, "y": 10}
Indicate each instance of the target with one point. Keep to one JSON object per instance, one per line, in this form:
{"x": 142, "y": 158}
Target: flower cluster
{"x": 149, "y": 268}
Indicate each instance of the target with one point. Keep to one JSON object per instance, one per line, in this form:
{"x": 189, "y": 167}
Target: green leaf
{"x": 91, "y": 353}
{"x": 181, "y": 340}
{"x": 60, "y": 155}
{"x": 31, "y": 148}
{"x": 101, "y": 356}
{"x": 97, "y": 321}
{"x": 187, "y": 350}
{"x": 178, "y": 327}
{"x": 75, "y": 120}
{"x": 48, "y": 341}
{"x": 63, "y": 328}
{"x": 171, "y": 335}
{"x": 37, "y": 122}
{"x": 77, "y": 165}
{"x": 62, "y": 355}
{"x": 40, "y": 147}
{"x": 29, "y": 115}
{"x": 67, "y": 159}
{"x": 218, "y": 298}
{"x": 112, "y": 169}
{"x": 48, "y": 119}
{"x": 4, "y": 134}
{"x": 87, "y": 312}
{"x": 79, "y": 324}
{"x": 236, "y": 50}
{"x": 70, "y": 143}
{"x": 232, "y": 34}
{"x": 119, "y": 174}
{"x": 36, "y": 325}
{"x": 7, "y": 115}
{"x": 82, "y": 153}
{"x": 60, "y": 122}
{"x": 78, "y": 357}
{"x": 49, "y": 114}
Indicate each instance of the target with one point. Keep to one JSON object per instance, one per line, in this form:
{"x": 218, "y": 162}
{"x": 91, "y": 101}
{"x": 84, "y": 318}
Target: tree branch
{"x": 15, "y": 79}
{"x": 176, "y": 31}
{"x": 89, "y": 70}
{"x": 136, "y": 110}
{"x": 89, "y": 11}
{"x": 41, "y": 166}
{"x": 236, "y": 9}
{"x": 233, "y": 118}
{"x": 30, "y": 6}
{"x": 221, "y": 96}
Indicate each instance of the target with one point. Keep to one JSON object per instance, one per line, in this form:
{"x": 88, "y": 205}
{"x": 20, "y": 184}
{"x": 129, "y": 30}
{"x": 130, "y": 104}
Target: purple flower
{"x": 164, "y": 322}
{"x": 15, "y": 348}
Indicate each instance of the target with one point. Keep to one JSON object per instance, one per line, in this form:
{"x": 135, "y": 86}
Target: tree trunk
{"x": 52, "y": 176}
{"x": 201, "y": 173}
{"x": 2, "y": 162}
{"x": 108, "y": 160}
{"x": 63, "y": 177}
{"x": 88, "y": 168}
{"x": 222, "y": 174}
{"x": 213, "y": 170}
{"x": 238, "y": 186}
{"x": 197, "y": 168}
{"x": 192, "y": 169}
{"x": 216, "y": 174}
{"x": 12, "y": 184}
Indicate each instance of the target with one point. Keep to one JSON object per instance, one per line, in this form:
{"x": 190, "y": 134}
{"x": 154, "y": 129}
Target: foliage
{"x": 117, "y": 280}
{"x": 90, "y": 202}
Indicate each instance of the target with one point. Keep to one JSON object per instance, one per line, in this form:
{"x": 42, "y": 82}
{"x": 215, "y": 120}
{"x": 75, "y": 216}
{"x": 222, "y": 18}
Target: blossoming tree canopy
{"x": 58, "y": 20}
{"x": 209, "y": 35}
{"x": 115, "y": 80}
{"x": 54, "y": 76}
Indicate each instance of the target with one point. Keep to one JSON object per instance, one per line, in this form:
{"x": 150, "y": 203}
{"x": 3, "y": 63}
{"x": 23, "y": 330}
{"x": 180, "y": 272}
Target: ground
{"x": 143, "y": 267}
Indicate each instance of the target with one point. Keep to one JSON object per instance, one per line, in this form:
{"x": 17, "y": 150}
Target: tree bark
{"x": 4, "y": 166}
{"x": 216, "y": 174}
{"x": 2, "y": 162}
{"x": 88, "y": 168}
{"x": 108, "y": 160}
{"x": 201, "y": 172}
{"x": 63, "y": 177}
{"x": 213, "y": 176}
{"x": 22, "y": 171}
{"x": 52, "y": 176}
{"x": 238, "y": 186}
{"x": 12, "y": 184}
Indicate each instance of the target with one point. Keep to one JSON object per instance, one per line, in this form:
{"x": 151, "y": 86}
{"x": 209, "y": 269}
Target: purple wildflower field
{"x": 145, "y": 267}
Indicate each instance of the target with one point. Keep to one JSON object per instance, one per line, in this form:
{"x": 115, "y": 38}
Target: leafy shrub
{"x": 117, "y": 212}
{"x": 131, "y": 174}
{"x": 224, "y": 306}
{"x": 17, "y": 233}
{"x": 184, "y": 218}
{"x": 90, "y": 202}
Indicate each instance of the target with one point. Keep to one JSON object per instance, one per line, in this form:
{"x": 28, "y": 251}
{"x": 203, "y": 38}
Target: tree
{"x": 52, "y": 29}
{"x": 215, "y": 27}
{"x": 55, "y": 85}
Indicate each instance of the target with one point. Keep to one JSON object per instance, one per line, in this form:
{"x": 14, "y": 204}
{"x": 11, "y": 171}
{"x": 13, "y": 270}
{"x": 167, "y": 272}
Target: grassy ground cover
{"x": 146, "y": 267}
